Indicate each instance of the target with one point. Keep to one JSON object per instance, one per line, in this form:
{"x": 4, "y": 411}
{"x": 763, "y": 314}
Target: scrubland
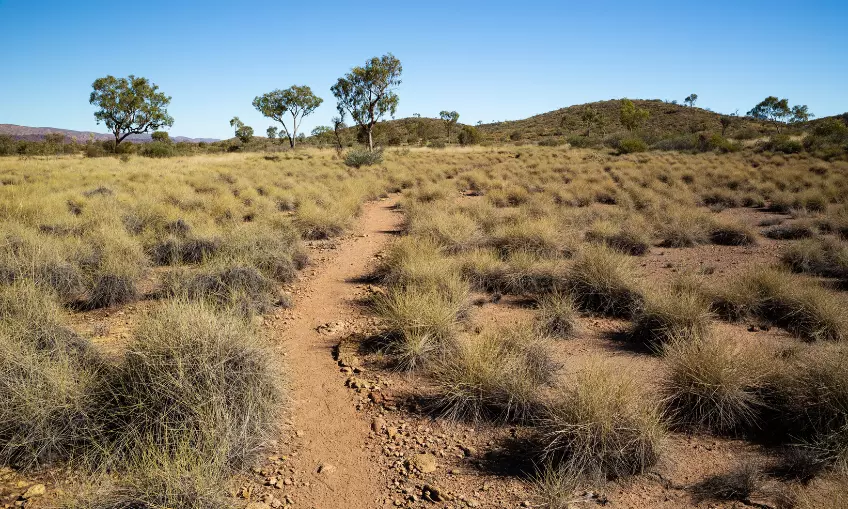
{"x": 707, "y": 293}
{"x": 718, "y": 280}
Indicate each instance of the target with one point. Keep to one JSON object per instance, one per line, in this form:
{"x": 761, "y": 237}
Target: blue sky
{"x": 488, "y": 60}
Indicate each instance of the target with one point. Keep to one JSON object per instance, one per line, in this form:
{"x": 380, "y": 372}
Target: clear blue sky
{"x": 488, "y": 60}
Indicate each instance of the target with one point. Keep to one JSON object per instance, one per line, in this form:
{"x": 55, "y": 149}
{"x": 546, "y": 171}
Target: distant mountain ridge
{"x": 20, "y": 132}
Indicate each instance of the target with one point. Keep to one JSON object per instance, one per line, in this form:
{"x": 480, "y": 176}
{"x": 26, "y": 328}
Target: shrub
{"x": 157, "y": 149}
{"x": 469, "y": 136}
{"x": 551, "y": 142}
{"x": 541, "y": 237}
{"x": 496, "y": 376}
{"x": 557, "y": 315}
{"x": 632, "y": 145}
{"x": 666, "y": 315}
{"x": 173, "y": 250}
{"x": 358, "y": 158}
{"x": 602, "y": 426}
{"x": 714, "y": 384}
{"x": 194, "y": 377}
{"x": 113, "y": 267}
{"x": 782, "y": 143}
{"x": 603, "y": 281}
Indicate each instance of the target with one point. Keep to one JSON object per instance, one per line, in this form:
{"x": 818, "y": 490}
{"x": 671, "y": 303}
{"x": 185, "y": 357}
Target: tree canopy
{"x": 243, "y": 132}
{"x": 778, "y": 110}
{"x": 632, "y": 116}
{"x": 450, "y": 118}
{"x": 131, "y": 105}
{"x": 297, "y": 101}
{"x": 367, "y": 93}
{"x": 691, "y": 99}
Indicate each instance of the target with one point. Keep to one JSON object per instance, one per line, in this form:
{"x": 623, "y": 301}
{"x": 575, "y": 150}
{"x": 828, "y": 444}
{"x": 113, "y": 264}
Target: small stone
{"x": 299, "y": 433}
{"x": 326, "y": 468}
{"x": 391, "y": 431}
{"x": 468, "y": 450}
{"x": 377, "y": 424}
{"x": 424, "y": 463}
{"x": 36, "y": 490}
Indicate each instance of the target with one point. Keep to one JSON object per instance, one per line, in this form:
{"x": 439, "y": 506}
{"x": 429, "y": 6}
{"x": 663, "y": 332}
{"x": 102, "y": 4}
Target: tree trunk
{"x": 370, "y": 140}
{"x": 291, "y": 141}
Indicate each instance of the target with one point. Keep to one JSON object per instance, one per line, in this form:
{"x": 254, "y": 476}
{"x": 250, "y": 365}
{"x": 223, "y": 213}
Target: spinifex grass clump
{"x": 239, "y": 288}
{"x": 49, "y": 377}
{"x": 799, "y": 305}
{"x": 602, "y": 426}
{"x": 194, "y": 376}
{"x": 557, "y": 315}
{"x": 604, "y": 282}
{"x": 714, "y": 384}
{"x": 823, "y": 257}
{"x": 497, "y": 375}
{"x": 671, "y": 313}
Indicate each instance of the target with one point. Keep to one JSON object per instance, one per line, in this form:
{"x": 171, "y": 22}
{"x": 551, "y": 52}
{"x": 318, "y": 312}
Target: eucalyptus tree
{"x": 131, "y": 105}
{"x": 449, "y": 118}
{"x": 297, "y": 101}
{"x": 367, "y": 92}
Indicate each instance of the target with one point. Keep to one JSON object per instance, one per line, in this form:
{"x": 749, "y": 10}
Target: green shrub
{"x": 358, "y": 158}
{"x": 157, "y": 149}
{"x": 551, "y": 142}
{"x": 632, "y": 145}
{"x": 782, "y": 143}
{"x": 469, "y": 136}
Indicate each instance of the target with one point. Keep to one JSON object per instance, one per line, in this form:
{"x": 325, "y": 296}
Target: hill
{"x": 665, "y": 120}
{"x": 20, "y": 132}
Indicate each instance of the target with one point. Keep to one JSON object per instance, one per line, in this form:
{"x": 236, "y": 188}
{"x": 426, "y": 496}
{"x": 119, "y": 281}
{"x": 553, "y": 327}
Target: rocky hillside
{"x": 20, "y": 132}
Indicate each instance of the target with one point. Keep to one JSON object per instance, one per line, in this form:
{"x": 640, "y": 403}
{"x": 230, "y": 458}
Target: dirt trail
{"x": 331, "y": 431}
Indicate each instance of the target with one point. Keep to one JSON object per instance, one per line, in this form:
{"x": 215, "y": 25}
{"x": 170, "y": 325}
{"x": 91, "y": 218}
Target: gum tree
{"x": 691, "y": 99}
{"x": 243, "y": 132}
{"x": 130, "y": 105}
{"x": 367, "y": 93}
{"x": 297, "y": 101}
{"x": 449, "y": 118}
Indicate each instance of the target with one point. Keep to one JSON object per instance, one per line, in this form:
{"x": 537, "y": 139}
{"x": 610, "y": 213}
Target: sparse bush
{"x": 358, "y": 158}
{"x": 631, "y": 238}
{"x": 469, "y": 136}
{"x": 495, "y": 376}
{"x": 685, "y": 227}
{"x": 602, "y": 426}
{"x": 603, "y": 281}
{"x": 193, "y": 377}
{"x": 714, "y": 384}
{"x": 157, "y": 149}
{"x": 782, "y": 143}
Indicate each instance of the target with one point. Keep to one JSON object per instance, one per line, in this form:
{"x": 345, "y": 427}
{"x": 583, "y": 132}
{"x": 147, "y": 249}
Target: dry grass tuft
{"x": 826, "y": 257}
{"x": 193, "y": 377}
{"x": 668, "y": 314}
{"x": 603, "y": 426}
{"x": 497, "y": 375}
{"x": 557, "y": 315}
{"x": 604, "y": 282}
{"x": 714, "y": 384}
